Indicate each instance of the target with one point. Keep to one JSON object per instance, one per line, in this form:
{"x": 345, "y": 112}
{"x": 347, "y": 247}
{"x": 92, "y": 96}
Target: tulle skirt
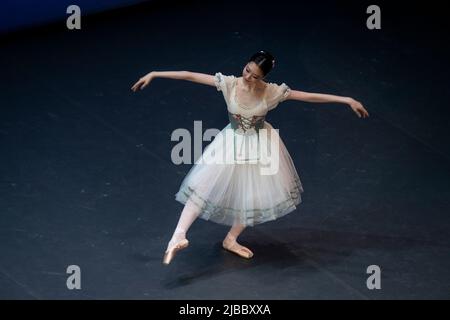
{"x": 243, "y": 177}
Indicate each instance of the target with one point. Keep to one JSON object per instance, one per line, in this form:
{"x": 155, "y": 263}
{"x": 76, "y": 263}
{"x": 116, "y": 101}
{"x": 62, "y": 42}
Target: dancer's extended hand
{"x": 358, "y": 108}
{"x": 142, "y": 82}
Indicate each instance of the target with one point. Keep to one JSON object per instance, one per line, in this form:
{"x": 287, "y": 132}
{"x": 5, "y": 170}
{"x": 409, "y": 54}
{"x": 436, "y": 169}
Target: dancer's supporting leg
{"x": 178, "y": 241}
{"x": 230, "y": 242}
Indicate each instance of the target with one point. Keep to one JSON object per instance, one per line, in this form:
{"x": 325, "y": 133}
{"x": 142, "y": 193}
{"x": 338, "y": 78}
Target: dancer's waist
{"x": 243, "y": 124}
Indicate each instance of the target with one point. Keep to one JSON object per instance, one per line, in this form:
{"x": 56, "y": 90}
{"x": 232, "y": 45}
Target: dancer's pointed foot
{"x": 230, "y": 244}
{"x": 171, "y": 251}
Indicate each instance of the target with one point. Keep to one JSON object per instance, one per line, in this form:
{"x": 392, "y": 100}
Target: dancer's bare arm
{"x": 180, "y": 75}
{"x": 356, "y": 106}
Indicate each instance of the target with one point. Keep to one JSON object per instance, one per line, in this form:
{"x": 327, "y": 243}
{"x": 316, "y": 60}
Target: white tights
{"x": 188, "y": 215}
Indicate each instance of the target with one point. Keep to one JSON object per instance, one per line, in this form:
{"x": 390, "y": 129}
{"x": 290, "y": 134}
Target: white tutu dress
{"x": 245, "y": 175}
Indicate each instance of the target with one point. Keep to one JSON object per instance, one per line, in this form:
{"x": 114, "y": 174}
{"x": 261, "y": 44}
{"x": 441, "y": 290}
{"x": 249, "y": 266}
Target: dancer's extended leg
{"x": 178, "y": 241}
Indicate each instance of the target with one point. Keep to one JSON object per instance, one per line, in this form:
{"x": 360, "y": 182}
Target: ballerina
{"x": 237, "y": 194}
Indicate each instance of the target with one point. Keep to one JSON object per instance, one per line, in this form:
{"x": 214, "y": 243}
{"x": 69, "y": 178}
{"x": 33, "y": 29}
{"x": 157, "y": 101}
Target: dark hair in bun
{"x": 264, "y": 60}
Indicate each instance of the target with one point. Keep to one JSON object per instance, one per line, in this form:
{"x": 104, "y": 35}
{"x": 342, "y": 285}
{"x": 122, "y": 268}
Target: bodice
{"x": 241, "y": 117}
{"x": 245, "y": 124}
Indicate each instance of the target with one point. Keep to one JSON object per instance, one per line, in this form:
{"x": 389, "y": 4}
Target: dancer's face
{"x": 252, "y": 73}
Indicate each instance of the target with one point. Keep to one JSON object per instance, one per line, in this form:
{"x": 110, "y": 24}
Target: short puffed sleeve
{"x": 276, "y": 94}
{"x": 223, "y": 83}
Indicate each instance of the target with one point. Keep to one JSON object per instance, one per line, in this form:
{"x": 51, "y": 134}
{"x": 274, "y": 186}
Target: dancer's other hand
{"x": 358, "y": 108}
{"x": 143, "y": 82}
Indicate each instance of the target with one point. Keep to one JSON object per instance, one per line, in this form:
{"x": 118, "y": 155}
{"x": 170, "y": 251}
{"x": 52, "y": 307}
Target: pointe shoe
{"x": 236, "y": 248}
{"x": 170, "y": 254}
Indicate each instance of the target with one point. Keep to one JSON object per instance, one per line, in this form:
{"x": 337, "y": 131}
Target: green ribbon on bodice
{"x": 238, "y": 121}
